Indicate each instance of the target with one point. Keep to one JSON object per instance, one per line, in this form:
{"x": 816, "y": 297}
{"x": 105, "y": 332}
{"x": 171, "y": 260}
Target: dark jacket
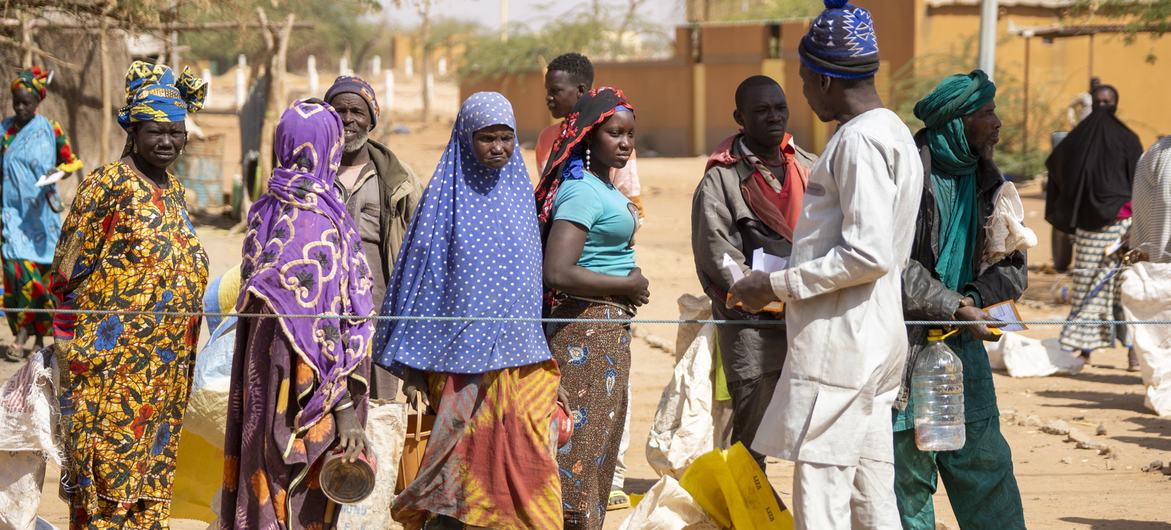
{"x": 925, "y": 297}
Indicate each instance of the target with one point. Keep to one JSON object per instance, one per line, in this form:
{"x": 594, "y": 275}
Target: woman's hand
{"x": 639, "y": 287}
{"x": 350, "y": 434}
{"x": 415, "y": 388}
{"x": 563, "y": 397}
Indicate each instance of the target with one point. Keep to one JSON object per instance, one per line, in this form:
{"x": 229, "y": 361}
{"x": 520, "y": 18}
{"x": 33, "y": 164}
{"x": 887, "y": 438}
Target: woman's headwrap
{"x": 943, "y": 110}
{"x": 303, "y": 257}
{"x": 154, "y": 93}
{"x": 473, "y": 250}
{"x": 33, "y": 80}
{"x": 841, "y": 42}
{"x": 567, "y": 157}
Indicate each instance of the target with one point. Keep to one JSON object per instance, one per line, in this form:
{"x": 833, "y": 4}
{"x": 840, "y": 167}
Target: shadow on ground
{"x": 1096, "y": 400}
{"x": 1117, "y": 524}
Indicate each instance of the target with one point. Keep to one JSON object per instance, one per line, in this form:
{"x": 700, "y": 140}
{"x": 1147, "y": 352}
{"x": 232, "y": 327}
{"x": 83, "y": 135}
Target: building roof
{"x": 1052, "y": 4}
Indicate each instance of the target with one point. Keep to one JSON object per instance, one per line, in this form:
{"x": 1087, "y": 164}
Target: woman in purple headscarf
{"x": 298, "y": 384}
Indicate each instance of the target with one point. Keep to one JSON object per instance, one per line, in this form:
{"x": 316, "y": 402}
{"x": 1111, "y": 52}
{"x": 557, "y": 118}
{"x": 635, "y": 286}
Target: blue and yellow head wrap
{"x": 154, "y": 93}
{"x": 32, "y": 80}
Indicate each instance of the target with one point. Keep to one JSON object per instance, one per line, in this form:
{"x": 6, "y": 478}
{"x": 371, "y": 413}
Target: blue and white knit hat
{"x": 841, "y": 42}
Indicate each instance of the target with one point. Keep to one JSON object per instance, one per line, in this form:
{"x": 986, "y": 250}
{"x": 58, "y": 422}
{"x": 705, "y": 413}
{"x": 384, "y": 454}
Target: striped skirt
{"x": 1096, "y": 292}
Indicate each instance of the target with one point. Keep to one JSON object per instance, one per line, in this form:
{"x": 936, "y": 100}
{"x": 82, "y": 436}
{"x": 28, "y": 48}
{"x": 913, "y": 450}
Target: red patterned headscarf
{"x": 591, "y": 110}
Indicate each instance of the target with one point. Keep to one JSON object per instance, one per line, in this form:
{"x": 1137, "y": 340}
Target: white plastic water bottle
{"x": 937, "y": 391}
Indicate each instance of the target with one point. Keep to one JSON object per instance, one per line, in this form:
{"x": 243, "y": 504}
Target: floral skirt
{"x": 595, "y": 372}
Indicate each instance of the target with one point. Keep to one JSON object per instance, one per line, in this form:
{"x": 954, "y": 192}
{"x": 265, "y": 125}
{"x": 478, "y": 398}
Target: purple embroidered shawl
{"x": 303, "y": 255}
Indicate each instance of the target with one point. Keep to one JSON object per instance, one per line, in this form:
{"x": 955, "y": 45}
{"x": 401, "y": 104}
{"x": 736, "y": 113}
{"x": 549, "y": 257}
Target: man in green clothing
{"x": 942, "y": 282}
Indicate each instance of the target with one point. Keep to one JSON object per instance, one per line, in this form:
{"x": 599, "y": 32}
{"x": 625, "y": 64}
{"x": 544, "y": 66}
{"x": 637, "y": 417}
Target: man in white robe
{"x": 831, "y": 411}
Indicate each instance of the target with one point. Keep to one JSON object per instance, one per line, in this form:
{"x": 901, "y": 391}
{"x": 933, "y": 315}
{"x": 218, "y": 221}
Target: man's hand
{"x": 968, "y": 312}
{"x": 351, "y": 436}
{"x": 753, "y": 292}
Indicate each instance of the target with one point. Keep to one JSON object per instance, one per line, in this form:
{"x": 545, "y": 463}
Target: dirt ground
{"x": 1062, "y": 487}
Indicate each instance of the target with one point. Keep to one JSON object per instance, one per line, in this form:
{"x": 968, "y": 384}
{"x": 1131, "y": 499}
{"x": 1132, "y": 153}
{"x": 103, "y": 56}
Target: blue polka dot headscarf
{"x": 841, "y": 42}
{"x": 473, "y": 250}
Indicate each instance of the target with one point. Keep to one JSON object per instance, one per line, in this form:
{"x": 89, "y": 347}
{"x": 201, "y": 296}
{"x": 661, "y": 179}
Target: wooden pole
{"x": 1025, "y": 125}
{"x": 26, "y": 40}
{"x": 425, "y": 35}
{"x": 104, "y": 81}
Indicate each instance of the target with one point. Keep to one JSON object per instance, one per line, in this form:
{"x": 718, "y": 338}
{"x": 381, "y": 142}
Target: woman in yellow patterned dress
{"x": 128, "y": 245}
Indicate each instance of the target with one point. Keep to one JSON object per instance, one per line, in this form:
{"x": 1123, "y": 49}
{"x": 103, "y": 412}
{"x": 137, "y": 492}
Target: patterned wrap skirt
{"x": 595, "y": 372}
{"x": 489, "y": 462}
{"x": 1096, "y": 292}
{"x": 26, "y": 286}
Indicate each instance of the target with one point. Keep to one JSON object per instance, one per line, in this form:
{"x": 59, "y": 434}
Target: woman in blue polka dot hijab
{"x": 473, "y": 250}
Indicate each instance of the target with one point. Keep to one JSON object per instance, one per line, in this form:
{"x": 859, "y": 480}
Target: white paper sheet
{"x": 51, "y": 178}
{"x": 1006, "y": 312}
{"x": 733, "y": 268}
{"x": 765, "y": 262}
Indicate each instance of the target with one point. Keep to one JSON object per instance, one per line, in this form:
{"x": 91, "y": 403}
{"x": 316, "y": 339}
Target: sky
{"x": 530, "y": 12}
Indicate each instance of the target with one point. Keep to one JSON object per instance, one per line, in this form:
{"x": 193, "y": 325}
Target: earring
{"x": 587, "y": 158}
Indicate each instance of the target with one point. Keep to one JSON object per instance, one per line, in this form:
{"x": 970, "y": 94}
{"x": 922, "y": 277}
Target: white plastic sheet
{"x": 1146, "y": 295}
{"x": 667, "y": 506}
{"x": 683, "y": 429}
{"x": 1026, "y": 357}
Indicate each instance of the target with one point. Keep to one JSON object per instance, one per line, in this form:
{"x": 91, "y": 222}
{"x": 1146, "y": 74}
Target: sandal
{"x": 618, "y": 501}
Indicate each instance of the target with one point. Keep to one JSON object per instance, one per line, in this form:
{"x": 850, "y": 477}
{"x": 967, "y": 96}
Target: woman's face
{"x": 159, "y": 143}
{"x": 613, "y": 141}
{"x": 493, "y": 145}
{"x": 24, "y": 105}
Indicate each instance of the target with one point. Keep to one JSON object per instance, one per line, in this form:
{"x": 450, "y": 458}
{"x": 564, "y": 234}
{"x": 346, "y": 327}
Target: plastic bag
{"x": 386, "y": 427}
{"x": 1006, "y": 231}
{"x": 207, "y": 408}
{"x": 683, "y": 428}
{"x": 1146, "y": 295}
{"x": 733, "y": 490}
{"x": 28, "y": 410}
{"x": 1026, "y": 357}
{"x": 667, "y": 506}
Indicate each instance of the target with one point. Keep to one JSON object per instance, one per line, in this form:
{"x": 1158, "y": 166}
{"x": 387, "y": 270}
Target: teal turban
{"x": 942, "y": 111}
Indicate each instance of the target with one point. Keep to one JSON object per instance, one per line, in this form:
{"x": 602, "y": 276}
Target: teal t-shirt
{"x": 609, "y": 218}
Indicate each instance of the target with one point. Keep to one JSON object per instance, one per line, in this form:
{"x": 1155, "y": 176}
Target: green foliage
{"x": 339, "y": 26}
{"x": 780, "y": 9}
{"x": 1014, "y": 155}
{"x": 1138, "y": 14}
{"x": 586, "y": 30}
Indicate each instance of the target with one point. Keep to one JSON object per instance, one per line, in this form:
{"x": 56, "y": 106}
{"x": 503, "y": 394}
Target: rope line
{"x": 639, "y": 321}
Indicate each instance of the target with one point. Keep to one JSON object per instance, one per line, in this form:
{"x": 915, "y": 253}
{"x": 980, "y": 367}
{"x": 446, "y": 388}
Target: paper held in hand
{"x": 763, "y": 262}
{"x": 51, "y": 178}
{"x": 1006, "y": 312}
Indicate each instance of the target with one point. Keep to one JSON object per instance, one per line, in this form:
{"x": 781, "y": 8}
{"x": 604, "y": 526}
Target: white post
{"x": 241, "y": 90}
{"x": 206, "y": 74}
{"x": 503, "y": 20}
{"x": 989, "y": 10}
{"x": 311, "y": 65}
{"x": 428, "y": 85}
{"x": 442, "y": 66}
{"x": 388, "y": 90}
{"x": 409, "y": 67}
{"x": 376, "y": 66}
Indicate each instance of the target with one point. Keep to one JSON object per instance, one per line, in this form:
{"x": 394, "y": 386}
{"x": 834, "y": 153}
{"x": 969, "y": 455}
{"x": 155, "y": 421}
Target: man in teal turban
{"x": 942, "y": 282}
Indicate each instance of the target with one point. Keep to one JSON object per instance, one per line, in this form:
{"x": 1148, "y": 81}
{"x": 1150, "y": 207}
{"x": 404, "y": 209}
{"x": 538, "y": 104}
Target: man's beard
{"x": 357, "y": 143}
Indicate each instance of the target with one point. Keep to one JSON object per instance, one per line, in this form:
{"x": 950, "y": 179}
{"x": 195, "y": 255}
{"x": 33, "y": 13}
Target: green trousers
{"x": 979, "y": 481}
